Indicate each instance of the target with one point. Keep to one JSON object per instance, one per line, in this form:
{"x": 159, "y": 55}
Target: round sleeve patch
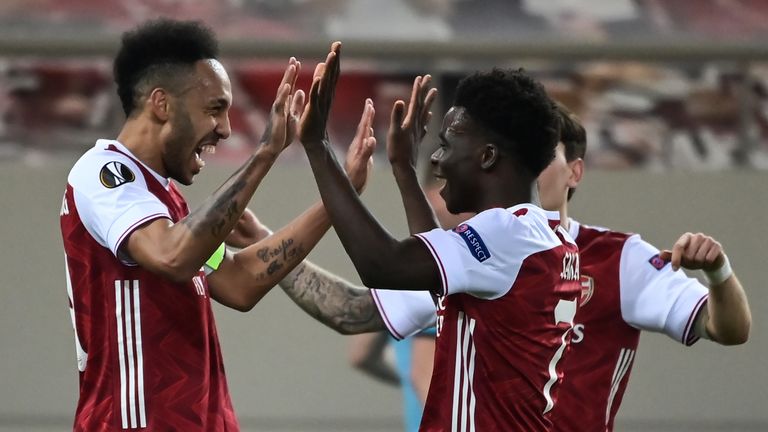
{"x": 115, "y": 174}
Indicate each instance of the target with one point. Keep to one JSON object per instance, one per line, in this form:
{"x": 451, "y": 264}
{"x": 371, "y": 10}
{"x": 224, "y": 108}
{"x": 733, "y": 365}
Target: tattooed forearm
{"x": 219, "y": 213}
{"x": 276, "y": 260}
{"x": 331, "y": 300}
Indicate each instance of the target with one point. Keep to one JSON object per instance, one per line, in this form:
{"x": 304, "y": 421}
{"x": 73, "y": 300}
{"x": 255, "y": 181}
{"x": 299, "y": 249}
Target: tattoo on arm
{"x": 220, "y": 212}
{"x": 277, "y": 258}
{"x": 338, "y": 304}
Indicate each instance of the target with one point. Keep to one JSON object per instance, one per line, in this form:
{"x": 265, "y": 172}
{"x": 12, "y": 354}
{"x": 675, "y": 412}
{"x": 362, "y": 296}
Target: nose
{"x": 223, "y": 128}
{"x": 434, "y": 159}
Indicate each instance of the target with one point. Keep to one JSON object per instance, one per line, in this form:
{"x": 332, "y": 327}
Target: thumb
{"x": 665, "y": 255}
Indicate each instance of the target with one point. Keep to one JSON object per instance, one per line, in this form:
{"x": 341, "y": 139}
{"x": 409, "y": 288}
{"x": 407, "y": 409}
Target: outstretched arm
{"x": 339, "y": 304}
{"x": 335, "y": 302}
{"x": 380, "y": 260}
{"x": 177, "y": 251}
{"x": 246, "y": 276}
{"x": 727, "y": 318}
{"x": 406, "y": 131}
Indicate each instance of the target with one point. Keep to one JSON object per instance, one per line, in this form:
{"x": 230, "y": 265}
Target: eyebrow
{"x": 219, "y": 102}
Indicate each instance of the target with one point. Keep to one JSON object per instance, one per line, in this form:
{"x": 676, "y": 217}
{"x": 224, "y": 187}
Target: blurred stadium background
{"x": 674, "y": 95}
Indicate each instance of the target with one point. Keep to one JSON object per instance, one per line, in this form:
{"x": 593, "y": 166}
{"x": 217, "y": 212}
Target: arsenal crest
{"x": 587, "y": 289}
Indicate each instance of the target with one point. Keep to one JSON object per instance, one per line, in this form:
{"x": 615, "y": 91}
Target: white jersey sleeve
{"x": 111, "y": 196}
{"x": 405, "y": 313}
{"x": 656, "y": 298}
{"x": 484, "y": 255}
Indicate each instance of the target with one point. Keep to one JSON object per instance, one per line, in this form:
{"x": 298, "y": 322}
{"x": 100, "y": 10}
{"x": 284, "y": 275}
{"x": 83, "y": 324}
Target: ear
{"x": 577, "y": 171}
{"x": 489, "y": 157}
{"x": 158, "y": 103}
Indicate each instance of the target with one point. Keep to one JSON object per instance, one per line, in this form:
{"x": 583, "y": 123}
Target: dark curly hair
{"x": 158, "y": 53}
{"x": 514, "y": 112}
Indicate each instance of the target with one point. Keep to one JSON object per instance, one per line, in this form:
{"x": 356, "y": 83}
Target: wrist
{"x": 719, "y": 275}
{"x": 403, "y": 169}
{"x": 264, "y": 153}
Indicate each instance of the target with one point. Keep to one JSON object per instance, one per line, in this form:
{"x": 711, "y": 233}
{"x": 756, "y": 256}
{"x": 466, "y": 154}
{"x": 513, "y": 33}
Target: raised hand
{"x": 247, "y": 231}
{"x": 407, "y": 129}
{"x": 359, "y": 161}
{"x": 694, "y": 252}
{"x": 286, "y": 111}
{"x": 314, "y": 119}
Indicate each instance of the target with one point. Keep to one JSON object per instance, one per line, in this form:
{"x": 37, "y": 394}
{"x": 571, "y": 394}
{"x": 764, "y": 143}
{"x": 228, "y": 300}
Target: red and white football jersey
{"x": 405, "y": 313}
{"x": 510, "y": 286}
{"x": 626, "y": 288}
{"x": 147, "y": 348}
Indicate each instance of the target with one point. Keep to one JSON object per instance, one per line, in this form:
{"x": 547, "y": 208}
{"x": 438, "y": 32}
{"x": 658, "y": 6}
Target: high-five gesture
{"x": 286, "y": 111}
{"x": 314, "y": 119}
{"x": 406, "y": 130}
{"x": 359, "y": 162}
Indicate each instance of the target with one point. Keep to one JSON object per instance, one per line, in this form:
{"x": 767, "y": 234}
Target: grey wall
{"x": 287, "y": 372}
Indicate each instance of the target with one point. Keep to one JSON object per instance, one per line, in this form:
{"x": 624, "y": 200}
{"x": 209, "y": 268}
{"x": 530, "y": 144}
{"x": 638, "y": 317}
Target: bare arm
{"x": 380, "y": 260}
{"x": 406, "y": 131}
{"x": 333, "y": 301}
{"x": 366, "y": 353}
{"x": 727, "y": 318}
{"x": 177, "y": 251}
{"x": 245, "y": 277}
{"x": 422, "y": 360}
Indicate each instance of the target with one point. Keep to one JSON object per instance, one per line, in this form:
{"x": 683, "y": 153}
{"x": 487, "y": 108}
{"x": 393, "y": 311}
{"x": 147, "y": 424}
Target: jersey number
{"x": 565, "y": 311}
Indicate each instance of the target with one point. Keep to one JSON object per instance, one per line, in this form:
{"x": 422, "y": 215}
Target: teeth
{"x": 199, "y": 160}
{"x": 208, "y": 148}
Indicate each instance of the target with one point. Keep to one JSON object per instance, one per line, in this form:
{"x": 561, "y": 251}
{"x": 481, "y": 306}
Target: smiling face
{"x": 457, "y": 161}
{"x": 198, "y": 118}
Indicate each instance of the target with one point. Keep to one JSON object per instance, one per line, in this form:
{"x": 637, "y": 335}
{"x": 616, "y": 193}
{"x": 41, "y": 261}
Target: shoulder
{"x": 592, "y": 235}
{"x": 102, "y": 167}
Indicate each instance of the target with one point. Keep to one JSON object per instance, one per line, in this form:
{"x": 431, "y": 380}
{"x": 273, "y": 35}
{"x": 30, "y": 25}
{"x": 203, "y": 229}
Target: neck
{"x": 141, "y": 138}
{"x": 509, "y": 196}
{"x": 564, "y": 221}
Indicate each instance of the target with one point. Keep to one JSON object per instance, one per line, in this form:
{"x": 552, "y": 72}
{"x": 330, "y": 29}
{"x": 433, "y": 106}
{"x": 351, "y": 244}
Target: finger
{"x": 714, "y": 254}
{"x": 695, "y": 243}
{"x": 295, "y": 76}
{"x": 396, "y": 117}
{"x": 413, "y": 102}
{"x": 428, "y": 100}
{"x": 701, "y": 254}
{"x": 362, "y": 125}
{"x": 677, "y": 250}
{"x": 665, "y": 255}
{"x": 371, "y": 146}
{"x": 289, "y": 76}
{"x": 426, "y": 86}
{"x": 319, "y": 70}
{"x": 298, "y": 103}
{"x": 336, "y": 71}
{"x": 371, "y": 116}
{"x": 282, "y": 97}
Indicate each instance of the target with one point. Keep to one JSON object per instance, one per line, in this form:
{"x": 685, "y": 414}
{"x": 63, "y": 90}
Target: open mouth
{"x": 204, "y": 149}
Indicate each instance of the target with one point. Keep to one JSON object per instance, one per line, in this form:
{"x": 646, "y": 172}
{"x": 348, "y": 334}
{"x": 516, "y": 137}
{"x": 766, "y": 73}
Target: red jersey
{"x": 148, "y": 352}
{"x": 510, "y": 285}
{"x": 626, "y": 288}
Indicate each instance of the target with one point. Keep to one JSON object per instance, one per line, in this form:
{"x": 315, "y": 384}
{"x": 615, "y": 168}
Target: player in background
{"x": 506, "y": 282}
{"x": 141, "y": 268}
{"x": 629, "y": 286}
